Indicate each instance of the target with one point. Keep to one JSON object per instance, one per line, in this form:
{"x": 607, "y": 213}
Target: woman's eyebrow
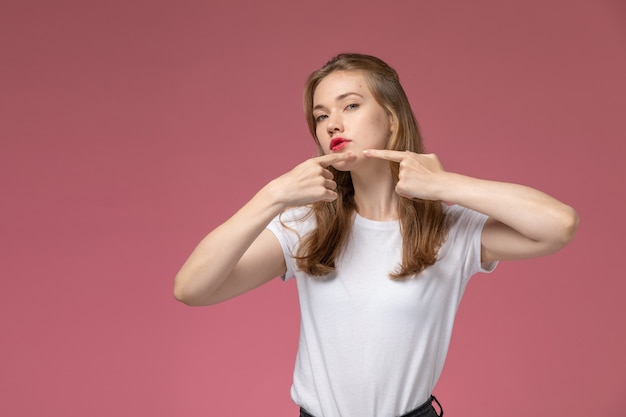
{"x": 338, "y": 98}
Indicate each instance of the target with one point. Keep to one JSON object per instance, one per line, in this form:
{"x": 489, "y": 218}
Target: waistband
{"x": 424, "y": 410}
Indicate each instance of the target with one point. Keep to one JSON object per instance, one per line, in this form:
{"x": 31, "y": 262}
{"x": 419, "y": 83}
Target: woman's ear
{"x": 393, "y": 128}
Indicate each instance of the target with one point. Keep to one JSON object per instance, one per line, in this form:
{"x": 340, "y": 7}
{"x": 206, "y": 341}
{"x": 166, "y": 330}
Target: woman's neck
{"x": 374, "y": 193}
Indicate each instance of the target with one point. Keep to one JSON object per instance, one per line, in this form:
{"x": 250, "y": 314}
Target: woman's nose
{"x": 334, "y": 125}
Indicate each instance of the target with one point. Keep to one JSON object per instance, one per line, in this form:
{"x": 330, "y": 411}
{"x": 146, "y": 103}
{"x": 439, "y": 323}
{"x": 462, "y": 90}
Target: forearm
{"x": 217, "y": 254}
{"x": 222, "y": 253}
{"x": 530, "y": 212}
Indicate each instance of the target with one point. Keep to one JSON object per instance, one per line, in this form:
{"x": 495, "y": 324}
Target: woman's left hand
{"x": 420, "y": 176}
{"x": 523, "y": 222}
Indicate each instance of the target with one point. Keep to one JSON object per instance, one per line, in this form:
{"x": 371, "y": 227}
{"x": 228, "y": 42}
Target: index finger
{"x": 396, "y": 156}
{"x": 329, "y": 159}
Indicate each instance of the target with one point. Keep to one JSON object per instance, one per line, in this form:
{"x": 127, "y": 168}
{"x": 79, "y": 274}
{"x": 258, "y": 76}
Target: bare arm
{"x": 241, "y": 254}
{"x": 523, "y": 222}
{"x": 237, "y": 256}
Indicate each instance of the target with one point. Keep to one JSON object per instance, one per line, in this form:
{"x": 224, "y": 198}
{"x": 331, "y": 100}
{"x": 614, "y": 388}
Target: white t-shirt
{"x": 371, "y": 346}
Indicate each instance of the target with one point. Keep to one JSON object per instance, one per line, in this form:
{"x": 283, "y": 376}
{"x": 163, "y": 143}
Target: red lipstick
{"x": 338, "y": 144}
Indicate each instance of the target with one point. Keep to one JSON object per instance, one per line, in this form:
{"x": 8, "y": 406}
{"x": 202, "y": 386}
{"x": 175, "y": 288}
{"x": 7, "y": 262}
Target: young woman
{"x": 380, "y": 260}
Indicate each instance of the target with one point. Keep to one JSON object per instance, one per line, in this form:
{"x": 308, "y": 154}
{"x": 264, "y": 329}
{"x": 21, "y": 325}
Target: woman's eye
{"x": 320, "y": 118}
{"x": 352, "y": 106}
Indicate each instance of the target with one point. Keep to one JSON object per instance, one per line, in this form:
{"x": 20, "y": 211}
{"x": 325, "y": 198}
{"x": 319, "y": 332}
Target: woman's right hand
{"x": 241, "y": 253}
{"x": 309, "y": 182}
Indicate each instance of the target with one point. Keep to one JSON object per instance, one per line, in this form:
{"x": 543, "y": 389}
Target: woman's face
{"x": 348, "y": 117}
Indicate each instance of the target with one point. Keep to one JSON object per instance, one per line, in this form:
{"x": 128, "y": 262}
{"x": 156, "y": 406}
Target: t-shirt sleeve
{"x": 288, "y": 227}
{"x": 465, "y": 234}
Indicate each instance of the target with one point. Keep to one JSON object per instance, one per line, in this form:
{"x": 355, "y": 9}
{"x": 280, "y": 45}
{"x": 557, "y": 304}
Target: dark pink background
{"x": 129, "y": 129}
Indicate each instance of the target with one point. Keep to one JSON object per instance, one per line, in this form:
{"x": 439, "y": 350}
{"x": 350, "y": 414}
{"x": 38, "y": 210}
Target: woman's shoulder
{"x": 455, "y": 212}
{"x": 301, "y": 219}
{"x": 293, "y": 223}
{"x": 459, "y": 218}
{"x": 296, "y": 214}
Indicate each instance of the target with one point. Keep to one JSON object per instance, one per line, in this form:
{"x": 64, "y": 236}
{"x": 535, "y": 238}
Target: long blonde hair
{"x": 422, "y": 222}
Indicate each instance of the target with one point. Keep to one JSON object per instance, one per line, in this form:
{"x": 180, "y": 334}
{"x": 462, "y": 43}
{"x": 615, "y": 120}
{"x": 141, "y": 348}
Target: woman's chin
{"x": 346, "y": 165}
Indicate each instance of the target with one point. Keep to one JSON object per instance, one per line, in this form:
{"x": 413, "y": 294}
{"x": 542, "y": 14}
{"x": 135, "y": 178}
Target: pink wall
{"x": 129, "y": 129}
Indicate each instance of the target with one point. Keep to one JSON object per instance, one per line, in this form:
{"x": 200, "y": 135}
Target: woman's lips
{"x": 338, "y": 144}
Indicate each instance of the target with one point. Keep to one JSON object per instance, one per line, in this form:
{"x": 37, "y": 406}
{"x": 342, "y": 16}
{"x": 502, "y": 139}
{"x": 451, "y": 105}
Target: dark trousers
{"x": 425, "y": 410}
